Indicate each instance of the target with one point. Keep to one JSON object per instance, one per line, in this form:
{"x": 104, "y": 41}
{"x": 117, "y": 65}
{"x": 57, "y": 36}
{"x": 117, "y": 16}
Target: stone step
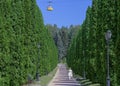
{"x": 65, "y": 81}
{"x": 61, "y": 79}
{"x": 67, "y": 84}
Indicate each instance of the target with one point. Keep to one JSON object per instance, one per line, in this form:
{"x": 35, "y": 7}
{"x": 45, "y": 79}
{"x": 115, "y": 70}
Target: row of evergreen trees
{"x": 62, "y": 37}
{"x": 88, "y": 49}
{"x": 21, "y": 31}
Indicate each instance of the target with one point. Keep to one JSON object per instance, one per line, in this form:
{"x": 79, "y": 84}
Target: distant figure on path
{"x": 60, "y": 67}
{"x": 70, "y": 74}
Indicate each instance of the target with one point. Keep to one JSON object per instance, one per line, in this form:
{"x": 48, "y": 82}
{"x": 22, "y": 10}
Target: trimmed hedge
{"x": 21, "y": 30}
{"x": 88, "y": 51}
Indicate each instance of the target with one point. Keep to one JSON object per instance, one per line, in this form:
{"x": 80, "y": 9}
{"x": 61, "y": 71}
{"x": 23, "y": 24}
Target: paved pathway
{"x": 61, "y": 78}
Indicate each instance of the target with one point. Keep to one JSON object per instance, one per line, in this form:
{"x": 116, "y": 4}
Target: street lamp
{"x": 84, "y": 74}
{"x": 108, "y": 37}
{"x": 46, "y": 71}
{"x": 37, "y": 72}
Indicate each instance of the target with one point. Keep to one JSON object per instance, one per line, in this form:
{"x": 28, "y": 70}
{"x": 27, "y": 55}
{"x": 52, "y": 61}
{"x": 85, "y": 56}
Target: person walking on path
{"x": 70, "y": 74}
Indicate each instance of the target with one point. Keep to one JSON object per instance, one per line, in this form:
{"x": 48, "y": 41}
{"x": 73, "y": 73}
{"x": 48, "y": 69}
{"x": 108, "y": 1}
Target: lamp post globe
{"x": 108, "y": 35}
{"x": 38, "y": 46}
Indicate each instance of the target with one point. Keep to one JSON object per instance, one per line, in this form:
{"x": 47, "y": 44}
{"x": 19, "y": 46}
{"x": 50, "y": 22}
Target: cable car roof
{"x": 50, "y": 8}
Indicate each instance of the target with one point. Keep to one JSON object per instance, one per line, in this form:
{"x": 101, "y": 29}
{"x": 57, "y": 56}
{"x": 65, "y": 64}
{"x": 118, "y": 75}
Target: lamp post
{"x": 46, "y": 71}
{"x": 108, "y": 37}
{"x": 37, "y": 72}
{"x": 84, "y": 75}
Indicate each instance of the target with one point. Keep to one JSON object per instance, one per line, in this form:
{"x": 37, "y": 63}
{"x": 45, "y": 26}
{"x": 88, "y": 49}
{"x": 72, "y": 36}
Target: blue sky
{"x": 65, "y": 13}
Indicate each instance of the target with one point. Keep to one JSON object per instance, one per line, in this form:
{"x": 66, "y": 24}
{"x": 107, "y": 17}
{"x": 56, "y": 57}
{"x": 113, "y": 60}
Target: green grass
{"x": 44, "y": 80}
{"x": 88, "y": 83}
{"x": 83, "y": 81}
{"x": 94, "y": 85}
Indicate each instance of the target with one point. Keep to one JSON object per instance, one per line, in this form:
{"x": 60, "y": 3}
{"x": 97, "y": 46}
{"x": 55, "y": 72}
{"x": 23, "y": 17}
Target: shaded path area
{"x": 61, "y": 78}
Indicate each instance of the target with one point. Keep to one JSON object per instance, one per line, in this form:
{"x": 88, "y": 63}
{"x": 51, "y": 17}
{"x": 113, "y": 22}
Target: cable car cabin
{"x": 49, "y": 8}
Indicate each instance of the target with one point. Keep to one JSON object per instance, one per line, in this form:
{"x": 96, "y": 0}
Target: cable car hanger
{"x": 49, "y": 8}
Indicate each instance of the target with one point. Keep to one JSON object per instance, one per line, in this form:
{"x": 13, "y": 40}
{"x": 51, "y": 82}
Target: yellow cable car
{"x": 50, "y": 8}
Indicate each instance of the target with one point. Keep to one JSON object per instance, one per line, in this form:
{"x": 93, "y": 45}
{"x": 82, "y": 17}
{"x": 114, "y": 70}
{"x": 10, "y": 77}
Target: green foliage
{"x": 88, "y": 49}
{"x": 21, "y": 30}
{"x": 62, "y": 37}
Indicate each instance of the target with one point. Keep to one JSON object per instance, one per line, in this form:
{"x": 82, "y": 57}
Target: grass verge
{"x": 44, "y": 80}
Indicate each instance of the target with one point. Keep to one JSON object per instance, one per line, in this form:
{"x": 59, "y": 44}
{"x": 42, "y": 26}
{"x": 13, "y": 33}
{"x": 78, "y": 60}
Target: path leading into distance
{"x": 61, "y": 78}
